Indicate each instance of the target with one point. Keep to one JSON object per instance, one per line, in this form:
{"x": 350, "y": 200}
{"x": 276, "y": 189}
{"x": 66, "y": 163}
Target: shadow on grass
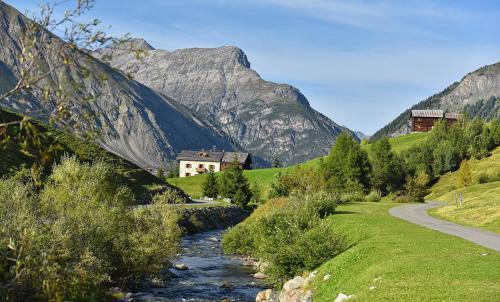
{"x": 344, "y": 212}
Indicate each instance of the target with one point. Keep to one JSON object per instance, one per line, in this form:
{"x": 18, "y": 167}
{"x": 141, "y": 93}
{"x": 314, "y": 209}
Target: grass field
{"x": 192, "y": 185}
{"x": 481, "y": 202}
{"x": 402, "y": 143}
{"x": 405, "y": 262}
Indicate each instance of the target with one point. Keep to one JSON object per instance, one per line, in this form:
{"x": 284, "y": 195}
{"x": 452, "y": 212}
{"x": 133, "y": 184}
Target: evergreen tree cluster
{"x": 349, "y": 170}
{"x": 231, "y": 183}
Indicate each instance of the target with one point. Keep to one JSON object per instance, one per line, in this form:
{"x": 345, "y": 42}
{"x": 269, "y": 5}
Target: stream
{"x": 210, "y": 276}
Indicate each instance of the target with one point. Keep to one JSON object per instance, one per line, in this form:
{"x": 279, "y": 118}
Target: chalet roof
{"x": 427, "y": 113}
{"x": 210, "y": 156}
{"x": 228, "y": 157}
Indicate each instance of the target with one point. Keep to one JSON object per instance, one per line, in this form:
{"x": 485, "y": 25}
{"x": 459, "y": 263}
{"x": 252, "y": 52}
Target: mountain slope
{"x": 135, "y": 121}
{"x": 478, "y": 94}
{"x": 14, "y": 155}
{"x": 267, "y": 119}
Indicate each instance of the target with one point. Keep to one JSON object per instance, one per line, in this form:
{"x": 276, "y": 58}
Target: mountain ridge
{"x": 136, "y": 122}
{"x": 477, "y": 94}
{"x": 265, "y": 118}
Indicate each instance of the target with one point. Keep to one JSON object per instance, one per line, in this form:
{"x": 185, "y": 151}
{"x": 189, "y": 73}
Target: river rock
{"x": 181, "y": 267}
{"x": 265, "y": 296}
{"x": 310, "y": 278}
{"x": 308, "y": 297}
{"x": 326, "y": 277}
{"x": 259, "y": 275}
{"x": 295, "y": 283}
{"x": 342, "y": 297}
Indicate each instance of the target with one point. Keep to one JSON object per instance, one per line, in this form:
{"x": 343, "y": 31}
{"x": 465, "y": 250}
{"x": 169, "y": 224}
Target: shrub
{"x": 356, "y": 196}
{"x": 483, "y": 178}
{"x": 77, "y": 236}
{"x": 256, "y": 193}
{"x": 169, "y": 196}
{"x": 154, "y": 239}
{"x": 464, "y": 174}
{"x": 373, "y": 197}
{"x": 283, "y": 236}
{"x": 416, "y": 187}
{"x": 403, "y": 199}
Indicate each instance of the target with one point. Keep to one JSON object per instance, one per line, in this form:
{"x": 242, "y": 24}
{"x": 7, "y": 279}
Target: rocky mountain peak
{"x": 138, "y": 44}
{"x": 265, "y": 118}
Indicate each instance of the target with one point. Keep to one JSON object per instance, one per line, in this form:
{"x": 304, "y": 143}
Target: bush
{"x": 154, "y": 240}
{"x": 416, "y": 187}
{"x": 403, "y": 199}
{"x": 373, "y": 197}
{"x": 464, "y": 174}
{"x": 169, "y": 196}
{"x": 283, "y": 236}
{"x": 483, "y": 178}
{"x": 356, "y": 196}
{"x": 74, "y": 238}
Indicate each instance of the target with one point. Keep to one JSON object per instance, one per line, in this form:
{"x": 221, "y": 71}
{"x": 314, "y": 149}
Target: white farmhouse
{"x": 199, "y": 162}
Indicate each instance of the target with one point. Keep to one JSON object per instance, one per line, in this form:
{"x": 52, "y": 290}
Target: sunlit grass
{"x": 404, "y": 262}
{"x": 481, "y": 202}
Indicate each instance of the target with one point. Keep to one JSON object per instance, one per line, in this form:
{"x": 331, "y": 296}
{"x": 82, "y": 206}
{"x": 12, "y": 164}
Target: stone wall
{"x": 195, "y": 220}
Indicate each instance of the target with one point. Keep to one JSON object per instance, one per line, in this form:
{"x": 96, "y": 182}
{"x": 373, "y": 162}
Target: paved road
{"x": 417, "y": 214}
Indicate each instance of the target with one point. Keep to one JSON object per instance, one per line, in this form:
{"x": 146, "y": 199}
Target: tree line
{"x": 350, "y": 172}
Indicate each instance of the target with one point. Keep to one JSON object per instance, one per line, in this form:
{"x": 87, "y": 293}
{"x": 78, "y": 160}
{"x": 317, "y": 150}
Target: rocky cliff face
{"x": 478, "y": 94}
{"x": 267, "y": 119}
{"x": 136, "y": 122}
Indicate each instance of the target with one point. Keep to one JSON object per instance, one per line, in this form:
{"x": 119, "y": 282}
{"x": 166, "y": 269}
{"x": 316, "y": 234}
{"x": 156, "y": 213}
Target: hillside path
{"x": 417, "y": 214}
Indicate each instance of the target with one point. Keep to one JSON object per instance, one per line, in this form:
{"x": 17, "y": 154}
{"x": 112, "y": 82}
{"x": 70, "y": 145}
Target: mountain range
{"x": 218, "y": 85}
{"x": 150, "y": 108}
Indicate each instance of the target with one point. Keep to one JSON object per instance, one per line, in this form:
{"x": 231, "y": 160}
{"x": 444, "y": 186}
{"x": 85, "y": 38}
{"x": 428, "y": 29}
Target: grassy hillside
{"x": 405, "y": 262}
{"x": 402, "y": 143}
{"x": 192, "y": 185}
{"x": 481, "y": 205}
{"x": 13, "y": 157}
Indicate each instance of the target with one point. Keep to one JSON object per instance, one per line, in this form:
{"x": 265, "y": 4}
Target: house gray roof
{"x": 228, "y": 157}
{"x": 427, "y": 113}
{"x": 211, "y": 156}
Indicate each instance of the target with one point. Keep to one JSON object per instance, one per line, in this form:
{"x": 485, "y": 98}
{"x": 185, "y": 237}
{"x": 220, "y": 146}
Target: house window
{"x": 200, "y": 166}
{"x": 188, "y": 174}
{"x": 188, "y": 165}
{"x": 212, "y": 167}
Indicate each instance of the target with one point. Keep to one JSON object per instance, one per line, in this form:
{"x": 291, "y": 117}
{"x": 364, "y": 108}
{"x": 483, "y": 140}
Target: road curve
{"x": 417, "y": 214}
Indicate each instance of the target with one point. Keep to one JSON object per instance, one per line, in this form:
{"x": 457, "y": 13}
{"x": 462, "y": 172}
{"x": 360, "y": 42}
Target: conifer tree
{"x": 210, "y": 188}
{"x": 234, "y": 185}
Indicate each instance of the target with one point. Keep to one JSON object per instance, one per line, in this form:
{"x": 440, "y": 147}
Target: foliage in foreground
{"x": 75, "y": 237}
{"x": 289, "y": 236}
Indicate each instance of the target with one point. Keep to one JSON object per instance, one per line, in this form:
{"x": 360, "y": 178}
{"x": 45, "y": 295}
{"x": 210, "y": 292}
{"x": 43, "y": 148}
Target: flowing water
{"x": 210, "y": 276}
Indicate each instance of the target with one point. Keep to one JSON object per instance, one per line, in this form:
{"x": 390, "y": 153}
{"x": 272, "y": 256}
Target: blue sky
{"x": 359, "y": 62}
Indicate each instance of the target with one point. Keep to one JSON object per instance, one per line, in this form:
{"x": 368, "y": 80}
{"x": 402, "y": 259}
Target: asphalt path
{"x": 417, "y": 214}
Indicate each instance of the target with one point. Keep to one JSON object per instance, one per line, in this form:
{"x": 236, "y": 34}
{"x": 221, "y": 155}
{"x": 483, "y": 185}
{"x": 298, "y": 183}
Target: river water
{"x": 210, "y": 276}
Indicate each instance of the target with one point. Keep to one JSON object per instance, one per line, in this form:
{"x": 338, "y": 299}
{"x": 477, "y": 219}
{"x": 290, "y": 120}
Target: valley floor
{"x": 401, "y": 261}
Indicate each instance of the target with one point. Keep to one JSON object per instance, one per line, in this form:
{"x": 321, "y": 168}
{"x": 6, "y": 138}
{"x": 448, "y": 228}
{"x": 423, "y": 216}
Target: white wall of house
{"x": 189, "y": 167}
